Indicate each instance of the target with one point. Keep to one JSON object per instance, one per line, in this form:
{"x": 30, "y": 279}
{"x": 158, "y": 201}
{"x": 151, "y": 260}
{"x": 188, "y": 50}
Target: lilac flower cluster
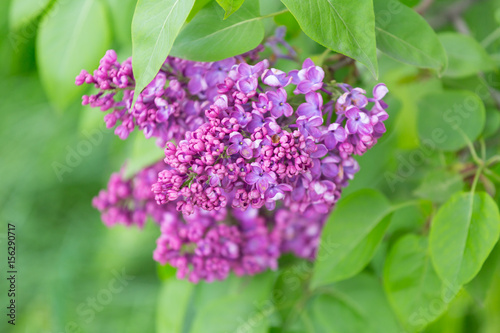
{"x": 173, "y": 103}
{"x": 206, "y": 245}
{"x": 255, "y": 149}
{"x": 237, "y": 137}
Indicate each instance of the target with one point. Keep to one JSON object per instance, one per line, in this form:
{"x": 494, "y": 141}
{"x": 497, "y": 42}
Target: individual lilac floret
{"x": 276, "y": 78}
{"x": 261, "y": 179}
{"x": 240, "y": 145}
{"x": 280, "y": 106}
{"x": 309, "y": 78}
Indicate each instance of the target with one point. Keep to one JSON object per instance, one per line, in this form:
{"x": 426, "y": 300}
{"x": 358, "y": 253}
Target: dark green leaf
{"x": 345, "y": 26}
{"x": 154, "y": 28}
{"x": 351, "y": 236}
{"x": 463, "y": 233}
{"x": 465, "y": 55}
{"x": 230, "y": 6}
{"x": 439, "y": 185}
{"x": 492, "y": 123}
{"x": 444, "y": 119}
{"x": 414, "y": 289}
{"x": 355, "y": 305}
{"x": 244, "y": 305}
{"x": 22, "y": 12}
{"x": 481, "y": 284}
{"x": 71, "y": 38}
{"x": 210, "y": 38}
{"x": 410, "y": 218}
{"x": 406, "y": 36}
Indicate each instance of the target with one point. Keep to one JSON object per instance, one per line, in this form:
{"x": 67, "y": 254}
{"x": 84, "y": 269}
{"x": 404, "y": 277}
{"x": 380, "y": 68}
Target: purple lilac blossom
{"x": 246, "y": 177}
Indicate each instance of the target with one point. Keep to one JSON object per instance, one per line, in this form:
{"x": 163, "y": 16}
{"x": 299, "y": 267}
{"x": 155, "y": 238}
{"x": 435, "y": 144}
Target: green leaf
{"x": 198, "y": 5}
{"x": 173, "y": 302}
{"x": 122, "y": 12}
{"x": 407, "y": 86}
{"x": 444, "y": 119}
{"x": 492, "y": 123}
{"x": 415, "y": 291}
{"x": 232, "y": 305}
{"x": 230, "y": 6}
{"x": 165, "y": 272}
{"x": 355, "y": 305}
{"x": 345, "y": 26}
{"x": 465, "y": 55}
{"x": 481, "y": 284}
{"x": 351, "y": 236}
{"x": 404, "y": 35}
{"x": 410, "y": 217}
{"x": 210, "y": 38}
{"x": 240, "y": 305}
{"x": 439, "y": 185}
{"x": 22, "y": 12}
{"x": 71, "y": 38}
{"x": 463, "y": 233}
{"x": 155, "y": 26}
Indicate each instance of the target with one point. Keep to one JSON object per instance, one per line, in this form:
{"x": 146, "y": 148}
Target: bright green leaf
{"x": 210, "y": 38}
{"x": 414, "y": 289}
{"x": 465, "y": 55}
{"x": 351, "y": 236}
{"x": 230, "y": 6}
{"x": 72, "y": 38}
{"x": 404, "y": 35}
{"x": 22, "y": 12}
{"x": 122, "y": 12}
{"x": 444, "y": 119}
{"x": 198, "y": 5}
{"x": 439, "y": 185}
{"x": 165, "y": 272}
{"x": 173, "y": 302}
{"x": 155, "y": 26}
{"x": 463, "y": 233}
{"x": 345, "y": 26}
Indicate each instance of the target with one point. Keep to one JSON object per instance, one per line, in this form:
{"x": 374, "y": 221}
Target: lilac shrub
{"x": 255, "y": 158}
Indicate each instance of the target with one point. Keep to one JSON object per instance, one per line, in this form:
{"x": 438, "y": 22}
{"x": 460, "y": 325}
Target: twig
{"x": 423, "y": 6}
{"x": 451, "y": 13}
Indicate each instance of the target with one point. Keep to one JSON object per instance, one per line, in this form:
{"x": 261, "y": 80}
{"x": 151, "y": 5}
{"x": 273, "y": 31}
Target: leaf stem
{"x": 472, "y": 150}
{"x": 493, "y": 36}
{"x": 274, "y": 14}
{"x": 493, "y": 160}
{"x": 406, "y": 204}
{"x": 492, "y": 175}
{"x": 476, "y": 178}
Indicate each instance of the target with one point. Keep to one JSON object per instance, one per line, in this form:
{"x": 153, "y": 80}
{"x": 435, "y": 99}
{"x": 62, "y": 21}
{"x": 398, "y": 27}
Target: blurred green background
{"x": 65, "y": 255}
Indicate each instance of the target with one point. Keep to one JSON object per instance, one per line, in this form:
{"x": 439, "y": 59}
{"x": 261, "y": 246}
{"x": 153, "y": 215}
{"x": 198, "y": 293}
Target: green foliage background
{"x": 412, "y": 246}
